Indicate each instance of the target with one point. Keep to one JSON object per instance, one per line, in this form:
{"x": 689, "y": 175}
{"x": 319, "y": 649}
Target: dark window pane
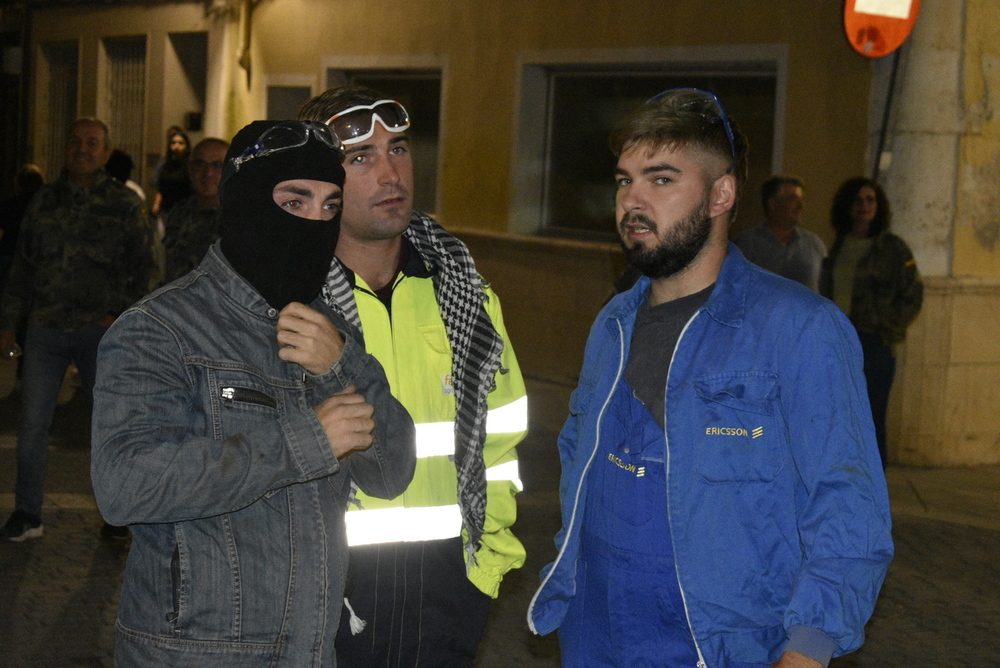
{"x": 580, "y": 190}
{"x": 284, "y": 102}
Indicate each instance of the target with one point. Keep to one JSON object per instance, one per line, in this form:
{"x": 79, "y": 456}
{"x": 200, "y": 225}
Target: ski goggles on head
{"x": 694, "y": 99}
{"x": 282, "y": 137}
{"x": 357, "y": 124}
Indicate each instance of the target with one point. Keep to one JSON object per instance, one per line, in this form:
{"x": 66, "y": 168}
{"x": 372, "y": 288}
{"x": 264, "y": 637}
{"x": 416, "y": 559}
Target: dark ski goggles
{"x": 282, "y": 137}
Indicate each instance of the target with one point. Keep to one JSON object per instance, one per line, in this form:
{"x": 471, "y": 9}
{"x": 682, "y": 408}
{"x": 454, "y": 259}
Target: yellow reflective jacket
{"x": 412, "y": 346}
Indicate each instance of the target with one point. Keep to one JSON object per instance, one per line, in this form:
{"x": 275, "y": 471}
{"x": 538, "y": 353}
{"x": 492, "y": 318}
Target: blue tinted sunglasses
{"x": 695, "y": 96}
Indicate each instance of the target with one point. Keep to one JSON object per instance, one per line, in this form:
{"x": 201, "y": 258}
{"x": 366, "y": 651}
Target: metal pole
{"x": 884, "y": 130}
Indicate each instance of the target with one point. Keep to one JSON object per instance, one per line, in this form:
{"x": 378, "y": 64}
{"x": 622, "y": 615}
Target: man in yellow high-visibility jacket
{"x": 425, "y": 565}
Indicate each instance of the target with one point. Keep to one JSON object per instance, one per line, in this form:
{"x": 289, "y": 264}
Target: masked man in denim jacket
{"x": 232, "y": 422}
{"x": 723, "y": 503}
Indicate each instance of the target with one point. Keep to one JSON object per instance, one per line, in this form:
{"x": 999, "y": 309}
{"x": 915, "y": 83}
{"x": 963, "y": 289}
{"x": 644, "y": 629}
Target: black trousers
{"x": 418, "y": 605}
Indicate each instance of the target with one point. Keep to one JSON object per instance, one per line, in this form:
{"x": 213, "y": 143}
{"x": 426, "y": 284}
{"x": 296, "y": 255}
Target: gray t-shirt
{"x": 657, "y": 329}
{"x": 800, "y": 260}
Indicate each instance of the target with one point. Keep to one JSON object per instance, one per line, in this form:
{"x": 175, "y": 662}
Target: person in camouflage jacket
{"x": 194, "y": 223}
{"x": 887, "y": 291}
{"x": 83, "y": 257}
{"x": 190, "y": 232}
{"x": 872, "y": 276}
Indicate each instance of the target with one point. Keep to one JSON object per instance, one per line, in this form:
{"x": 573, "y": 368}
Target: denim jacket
{"x": 205, "y": 442}
{"x": 778, "y": 508}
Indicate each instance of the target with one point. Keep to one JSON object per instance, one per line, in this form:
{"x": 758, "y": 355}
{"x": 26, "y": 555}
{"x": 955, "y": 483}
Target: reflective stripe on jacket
{"x": 414, "y": 351}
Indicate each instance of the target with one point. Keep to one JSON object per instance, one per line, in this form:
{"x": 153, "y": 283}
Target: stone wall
{"x": 551, "y": 291}
{"x": 942, "y": 181}
{"x": 945, "y": 407}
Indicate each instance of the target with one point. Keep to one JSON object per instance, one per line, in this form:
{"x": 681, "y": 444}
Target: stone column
{"x": 942, "y": 176}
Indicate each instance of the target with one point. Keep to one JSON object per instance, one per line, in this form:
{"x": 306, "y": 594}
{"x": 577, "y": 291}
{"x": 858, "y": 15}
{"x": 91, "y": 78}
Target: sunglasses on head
{"x": 282, "y": 137}
{"x": 697, "y": 96}
{"x": 357, "y": 123}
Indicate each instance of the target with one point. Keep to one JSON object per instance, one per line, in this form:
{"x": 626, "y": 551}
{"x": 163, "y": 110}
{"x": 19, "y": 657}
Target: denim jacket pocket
{"x": 241, "y": 400}
{"x": 175, "y": 586}
{"x": 235, "y": 394}
{"x": 739, "y": 434}
{"x": 235, "y": 573}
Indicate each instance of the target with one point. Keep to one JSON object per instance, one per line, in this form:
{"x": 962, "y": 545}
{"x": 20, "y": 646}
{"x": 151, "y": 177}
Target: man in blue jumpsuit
{"x": 722, "y": 498}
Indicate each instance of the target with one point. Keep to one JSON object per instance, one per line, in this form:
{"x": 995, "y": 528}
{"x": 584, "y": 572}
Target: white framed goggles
{"x": 357, "y": 124}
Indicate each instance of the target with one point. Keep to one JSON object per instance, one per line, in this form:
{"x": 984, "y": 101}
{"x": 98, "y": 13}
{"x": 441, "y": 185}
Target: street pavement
{"x": 940, "y": 605}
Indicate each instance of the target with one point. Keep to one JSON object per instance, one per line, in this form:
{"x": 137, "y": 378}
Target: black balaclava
{"x": 285, "y": 257}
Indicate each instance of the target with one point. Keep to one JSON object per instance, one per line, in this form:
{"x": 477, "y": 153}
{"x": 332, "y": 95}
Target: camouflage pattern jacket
{"x": 188, "y": 233}
{"x": 83, "y": 253}
{"x": 887, "y": 292}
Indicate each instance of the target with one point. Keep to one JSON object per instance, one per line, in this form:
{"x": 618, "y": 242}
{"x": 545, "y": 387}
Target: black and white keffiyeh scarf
{"x": 475, "y": 346}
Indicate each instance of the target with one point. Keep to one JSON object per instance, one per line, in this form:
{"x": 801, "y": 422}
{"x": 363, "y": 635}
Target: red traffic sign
{"x": 878, "y": 27}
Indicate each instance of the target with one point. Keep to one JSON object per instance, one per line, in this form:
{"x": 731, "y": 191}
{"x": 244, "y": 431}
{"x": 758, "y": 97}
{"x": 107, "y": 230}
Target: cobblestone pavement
{"x": 940, "y": 605}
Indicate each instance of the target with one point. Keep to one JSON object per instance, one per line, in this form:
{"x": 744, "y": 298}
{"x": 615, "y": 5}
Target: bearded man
{"x": 723, "y": 502}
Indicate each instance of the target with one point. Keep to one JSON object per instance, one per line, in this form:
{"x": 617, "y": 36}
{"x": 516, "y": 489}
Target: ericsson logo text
{"x": 733, "y": 431}
{"x": 725, "y": 431}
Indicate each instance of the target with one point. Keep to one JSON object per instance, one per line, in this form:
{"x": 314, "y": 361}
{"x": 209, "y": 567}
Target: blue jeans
{"x": 880, "y": 370}
{"x": 47, "y": 354}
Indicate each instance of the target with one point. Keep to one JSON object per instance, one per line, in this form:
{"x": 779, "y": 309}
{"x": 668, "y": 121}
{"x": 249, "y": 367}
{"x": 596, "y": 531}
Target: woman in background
{"x": 871, "y": 275}
{"x": 171, "y": 180}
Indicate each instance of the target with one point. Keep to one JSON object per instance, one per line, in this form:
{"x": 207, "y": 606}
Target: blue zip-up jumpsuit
{"x": 629, "y": 610}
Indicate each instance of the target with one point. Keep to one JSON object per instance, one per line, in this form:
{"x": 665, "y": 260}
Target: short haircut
{"x": 207, "y": 141}
{"x": 95, "y": 121}
{"x": 28, "y": 180}
{"x": 843, "y": 202}
{"x": 119, "y": 165}
{"x": 335, "y": 100}
{"x": 771, "y": 187}
{"x": 683, "y": 119}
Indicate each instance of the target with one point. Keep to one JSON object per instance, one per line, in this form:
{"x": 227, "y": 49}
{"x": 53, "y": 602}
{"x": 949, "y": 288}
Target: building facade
{"x": 512, "y": 100}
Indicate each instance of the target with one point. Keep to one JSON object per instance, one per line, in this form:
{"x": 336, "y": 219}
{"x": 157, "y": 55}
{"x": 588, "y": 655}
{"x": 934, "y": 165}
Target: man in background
{"x": 781, "y": 244}
{"x": 119, "y": 167}
{"x": 194, "y": 223}
{"x": 425, "y": 565}
{"x": 84, "y": 255}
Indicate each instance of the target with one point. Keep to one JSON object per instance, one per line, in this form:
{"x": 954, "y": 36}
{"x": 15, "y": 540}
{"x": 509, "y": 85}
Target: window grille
{"x": 124, "y": 91}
